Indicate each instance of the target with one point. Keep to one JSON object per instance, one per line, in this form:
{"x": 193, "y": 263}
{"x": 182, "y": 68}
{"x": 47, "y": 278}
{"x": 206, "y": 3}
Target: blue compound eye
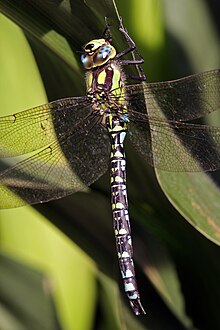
{"x": 86, "y": 61}
{"x": 104, "y": 52}
{"x": 103, "y": 55}
{"x": 83, "y": 58}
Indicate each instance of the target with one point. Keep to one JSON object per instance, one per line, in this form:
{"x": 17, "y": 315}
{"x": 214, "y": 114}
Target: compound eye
{"x": 83, "y": 58}
{"x": 102, "y": 55}
{"x": 86, "y": 61}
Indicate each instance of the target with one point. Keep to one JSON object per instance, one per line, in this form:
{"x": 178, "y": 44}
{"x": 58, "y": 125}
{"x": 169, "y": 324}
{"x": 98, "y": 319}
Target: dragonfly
{"x": 77, "y": 139}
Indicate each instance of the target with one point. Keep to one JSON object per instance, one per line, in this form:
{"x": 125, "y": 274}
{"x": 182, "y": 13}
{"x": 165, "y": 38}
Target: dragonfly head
{"x": 96, "y": 53}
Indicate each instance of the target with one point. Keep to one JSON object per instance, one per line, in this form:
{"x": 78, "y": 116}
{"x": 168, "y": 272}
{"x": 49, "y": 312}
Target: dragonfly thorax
{"x": 97, "y": 53}
{"x": 105, "y": 89}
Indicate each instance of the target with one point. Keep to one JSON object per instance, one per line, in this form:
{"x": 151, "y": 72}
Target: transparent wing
{"x": 159, "y": 131}
{"x": 35, "y": 128}
{"x": 64, "y": 167}
{"x": 176, "y": 146}
{"x": 184, "y": 99}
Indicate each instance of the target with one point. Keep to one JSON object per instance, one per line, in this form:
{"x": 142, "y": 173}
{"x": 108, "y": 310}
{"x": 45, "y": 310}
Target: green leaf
{"x": 17, "y": 61}
{"x": 24, "y": 233}
{"x": 26, "y": 298}
{"x": 197, "y": 198}
{"x": 194, "y": 195}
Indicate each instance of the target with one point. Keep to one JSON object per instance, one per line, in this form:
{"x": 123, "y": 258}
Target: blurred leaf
{"x": 194, "y": 195}
{"x": 197, "y": 198}
{"x": 18, "y": 71}
{"x": 26, "y": 298}
{"x": 21, "y": 235}
{"x": 158, "y": 265}
{"x": 38, "y": 243}
{"x": 115, "y": 314}
{"x": 198, "y": 13}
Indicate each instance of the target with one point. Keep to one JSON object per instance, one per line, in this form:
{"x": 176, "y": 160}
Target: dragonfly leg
{"x": 107, "y": 32}
{"x": 142, "y": 76}
{"x": 137, "y": 78}
{"x": 132, "y": 47}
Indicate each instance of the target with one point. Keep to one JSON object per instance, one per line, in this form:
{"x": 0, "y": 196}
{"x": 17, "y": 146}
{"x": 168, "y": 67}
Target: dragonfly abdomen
{"x": 117, "y": 129}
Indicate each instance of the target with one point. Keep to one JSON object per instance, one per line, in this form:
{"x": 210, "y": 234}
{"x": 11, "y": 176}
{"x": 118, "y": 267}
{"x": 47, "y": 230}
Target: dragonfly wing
{"x": 35, "y": 128}
{"x": 139, "y": 135}
{"x": 62, "y": 168}
{"x": 184, "y": 147}
{"x": 184, "y": 99}
{"x": 176, "y": 146}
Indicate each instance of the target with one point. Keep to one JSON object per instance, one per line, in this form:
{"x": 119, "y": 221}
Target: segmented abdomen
{"x": 117, "y": 129}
